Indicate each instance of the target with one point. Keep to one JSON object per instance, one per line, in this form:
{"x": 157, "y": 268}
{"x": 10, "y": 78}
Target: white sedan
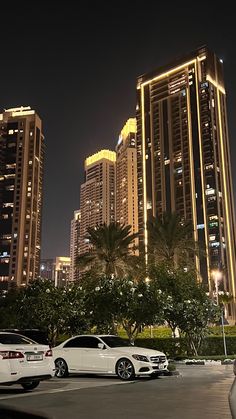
{"x": 23, "y": 361}
{"x": 107, "y": 354}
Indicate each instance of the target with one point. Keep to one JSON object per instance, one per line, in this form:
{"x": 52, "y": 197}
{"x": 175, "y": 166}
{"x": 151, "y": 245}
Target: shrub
{"x": 178, "y": 348}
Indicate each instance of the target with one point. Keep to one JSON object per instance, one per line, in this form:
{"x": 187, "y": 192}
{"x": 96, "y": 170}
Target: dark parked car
{"x": 35, "y": 334}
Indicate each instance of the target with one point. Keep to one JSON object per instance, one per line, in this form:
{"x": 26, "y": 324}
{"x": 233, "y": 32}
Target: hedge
{"x": 211, "y": 345}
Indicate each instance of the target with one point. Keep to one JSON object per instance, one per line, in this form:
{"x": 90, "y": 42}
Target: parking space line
{"x": 61, "y": 390}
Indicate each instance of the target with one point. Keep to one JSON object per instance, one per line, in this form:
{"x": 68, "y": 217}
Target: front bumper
{"x": 150, "y": 368}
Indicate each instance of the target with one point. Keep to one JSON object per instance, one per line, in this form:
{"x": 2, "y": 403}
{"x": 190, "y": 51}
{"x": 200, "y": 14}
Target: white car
{"x": 23, "y": 361}
{"x": 107, "y": 354}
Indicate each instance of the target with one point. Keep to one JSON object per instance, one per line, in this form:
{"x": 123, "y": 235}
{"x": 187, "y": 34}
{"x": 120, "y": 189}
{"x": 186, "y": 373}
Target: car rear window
{"x": 14, "y": 339}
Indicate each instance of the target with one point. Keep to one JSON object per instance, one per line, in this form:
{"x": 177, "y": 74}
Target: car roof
{"x": 90, "y": 335}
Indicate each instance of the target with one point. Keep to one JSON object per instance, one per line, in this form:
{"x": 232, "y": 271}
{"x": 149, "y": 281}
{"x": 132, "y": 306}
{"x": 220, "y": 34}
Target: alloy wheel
{"x": 61, "y": 368}
{"x": 125, "y": 370}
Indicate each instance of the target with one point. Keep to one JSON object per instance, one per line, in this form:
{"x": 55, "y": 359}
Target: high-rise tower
{"x": 126, "y": 177}
{"x": 74, "y": 245}
{"x": 184, "y": 157}
{"x": 97, "y": 194}
{"x": 21, "y": 170}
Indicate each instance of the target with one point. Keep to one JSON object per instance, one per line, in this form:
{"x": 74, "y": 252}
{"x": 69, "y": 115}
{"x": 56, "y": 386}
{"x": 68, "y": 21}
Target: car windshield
{"x": 115, "y": 341}
{"x": 15, "y": 339}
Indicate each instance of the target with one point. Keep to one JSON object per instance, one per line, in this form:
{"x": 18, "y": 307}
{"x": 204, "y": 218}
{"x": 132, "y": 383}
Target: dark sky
{"x": 76, "y": 65}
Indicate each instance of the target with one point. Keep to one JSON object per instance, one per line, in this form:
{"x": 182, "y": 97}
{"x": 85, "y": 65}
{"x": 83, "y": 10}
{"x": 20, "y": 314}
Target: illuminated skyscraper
{"x": 74, "y": 245}
{"x": 21, "y": 170}
{"x": 61, "y": 271}
{"x": 126, "y": 177}
{"x": 97, "y": 194}
{"x": 184, "y": 158}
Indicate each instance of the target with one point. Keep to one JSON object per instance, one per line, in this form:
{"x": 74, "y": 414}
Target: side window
{"x": 90, "y": 342}
{"x": 83, "y": 342}
{"x": 74, "y": 343}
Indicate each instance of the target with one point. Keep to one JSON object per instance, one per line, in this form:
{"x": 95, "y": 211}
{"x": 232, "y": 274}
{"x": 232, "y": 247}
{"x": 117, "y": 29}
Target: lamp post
{"x": 217, "y": 276}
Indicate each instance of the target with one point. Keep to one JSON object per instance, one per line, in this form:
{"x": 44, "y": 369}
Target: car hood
{"x": 131, "y": 350}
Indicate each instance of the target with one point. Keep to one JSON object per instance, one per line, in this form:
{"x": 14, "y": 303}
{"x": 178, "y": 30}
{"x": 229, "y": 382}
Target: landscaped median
{"x": 175, "y": 348}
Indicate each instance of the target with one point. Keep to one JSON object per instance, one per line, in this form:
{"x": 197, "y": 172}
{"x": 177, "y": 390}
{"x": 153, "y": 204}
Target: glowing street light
{"x": 217, "y": 276}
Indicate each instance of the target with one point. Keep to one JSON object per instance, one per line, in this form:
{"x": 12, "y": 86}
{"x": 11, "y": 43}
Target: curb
{"x": 207, "y": 362}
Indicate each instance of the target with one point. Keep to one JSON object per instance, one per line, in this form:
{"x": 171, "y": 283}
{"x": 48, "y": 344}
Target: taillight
{"x": 11, "y": 354}
{"x": 48, "y": 353}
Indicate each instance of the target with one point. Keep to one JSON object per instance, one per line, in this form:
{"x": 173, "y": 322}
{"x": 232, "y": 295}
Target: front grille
{"x": 159, "y": 359}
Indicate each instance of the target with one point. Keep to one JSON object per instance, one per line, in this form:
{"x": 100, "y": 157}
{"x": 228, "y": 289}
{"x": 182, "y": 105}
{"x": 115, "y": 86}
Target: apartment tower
{"x": 97, "y": 194}
{"x": 184, "y": 157}
{"x": 126, "y": 177}
{"x": 21, "y": 171}
{"x": 74, "y": 245}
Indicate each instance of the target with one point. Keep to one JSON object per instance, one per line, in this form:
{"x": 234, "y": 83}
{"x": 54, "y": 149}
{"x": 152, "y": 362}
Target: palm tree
{"x": 171, "y": 240}
{"x": 111, "y": 252}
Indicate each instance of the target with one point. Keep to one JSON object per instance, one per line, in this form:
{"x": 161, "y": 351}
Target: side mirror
{"x": 101, "y": 345}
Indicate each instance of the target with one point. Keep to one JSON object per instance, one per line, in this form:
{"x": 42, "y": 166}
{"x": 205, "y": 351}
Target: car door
{"x": 72, "y": 353}
{"x": 94, "y": 358}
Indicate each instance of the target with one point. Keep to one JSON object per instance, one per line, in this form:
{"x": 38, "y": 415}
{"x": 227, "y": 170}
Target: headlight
{"x": 140, "y": 358}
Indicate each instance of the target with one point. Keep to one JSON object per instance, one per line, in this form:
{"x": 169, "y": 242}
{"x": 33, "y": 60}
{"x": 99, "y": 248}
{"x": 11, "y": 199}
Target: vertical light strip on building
{"x": 144, "y": 176}
{"x": 202, "y": 175}
{"x": 193, "y": 192}
{"x": 225, "y": 192}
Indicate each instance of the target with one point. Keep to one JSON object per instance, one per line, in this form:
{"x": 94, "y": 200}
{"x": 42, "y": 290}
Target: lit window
{"x": 213, "y": 217}
{"x": 212, "y": 237}
{"x": 210, "y": 191}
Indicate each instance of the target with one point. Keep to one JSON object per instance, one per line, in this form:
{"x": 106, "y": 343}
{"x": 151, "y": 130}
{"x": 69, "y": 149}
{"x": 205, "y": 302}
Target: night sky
{"x": 76, "y": 65}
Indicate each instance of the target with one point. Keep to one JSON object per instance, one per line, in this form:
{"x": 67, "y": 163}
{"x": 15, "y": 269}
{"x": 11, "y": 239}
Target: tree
{"x": 99, "y": 303}
{"x": 8, "y": 314}
{"x": 187, "y": 306}
{"x": 51, "y": 309}
{"x": 225, "y": 298}
{"x": 136, "y": 306}
{"x": 171, "y": 240}
{"x": 111, "y": 252}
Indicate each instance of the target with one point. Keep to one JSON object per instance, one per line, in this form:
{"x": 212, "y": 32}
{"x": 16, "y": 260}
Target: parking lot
{"x": 199, "y": 392}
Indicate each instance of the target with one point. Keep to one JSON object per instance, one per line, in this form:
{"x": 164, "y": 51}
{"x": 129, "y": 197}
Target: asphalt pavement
{"x": 199, "y": 392}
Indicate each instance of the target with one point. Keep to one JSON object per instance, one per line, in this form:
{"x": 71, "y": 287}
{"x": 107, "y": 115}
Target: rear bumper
{"x": 29, "y": 379}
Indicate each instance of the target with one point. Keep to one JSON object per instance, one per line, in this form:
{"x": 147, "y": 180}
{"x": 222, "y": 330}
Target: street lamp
{"x": 217, "y": 276}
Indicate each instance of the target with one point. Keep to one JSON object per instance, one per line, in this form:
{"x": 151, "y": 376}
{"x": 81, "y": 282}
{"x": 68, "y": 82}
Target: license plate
{"x": 34, "y": 357}
{"x": 161, "y": 367}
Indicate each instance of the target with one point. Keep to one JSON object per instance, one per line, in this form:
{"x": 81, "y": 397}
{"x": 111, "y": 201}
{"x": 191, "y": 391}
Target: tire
{"x": 125, "y": 369}
{"x": 30, "y": 386}
{"x": 61, "y": 368}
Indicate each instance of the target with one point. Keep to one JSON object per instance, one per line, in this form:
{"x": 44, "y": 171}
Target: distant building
{"x": 184, "y": 158}
{"x": 74, "y": 245}
{"x": 97, "y": 195}
{"x": 21, "y": 172}
{"x": 47, "y": 269}
{"x": 62, "y": 271}
{"x": 126, "y": 177}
